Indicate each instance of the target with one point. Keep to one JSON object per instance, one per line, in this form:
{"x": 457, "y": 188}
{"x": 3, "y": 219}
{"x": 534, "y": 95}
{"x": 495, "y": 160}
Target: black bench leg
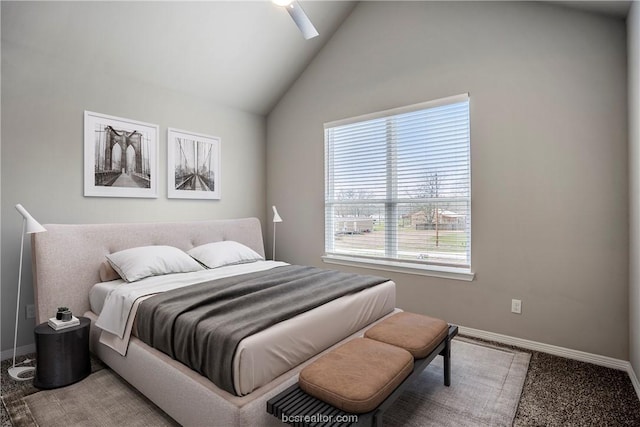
{"x": 377, "y": 419}
{"x": 446, "y": 354}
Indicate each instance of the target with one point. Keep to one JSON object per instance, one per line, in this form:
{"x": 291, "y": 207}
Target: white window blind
{"x": 398, "y": 185}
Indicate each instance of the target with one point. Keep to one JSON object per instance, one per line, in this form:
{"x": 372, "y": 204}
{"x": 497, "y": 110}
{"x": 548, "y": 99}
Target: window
{"x": 398, "y": 187}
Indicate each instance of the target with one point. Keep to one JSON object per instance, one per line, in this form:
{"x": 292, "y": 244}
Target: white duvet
{"x": 120, "y": 295}
{"x": 260, "y": 357}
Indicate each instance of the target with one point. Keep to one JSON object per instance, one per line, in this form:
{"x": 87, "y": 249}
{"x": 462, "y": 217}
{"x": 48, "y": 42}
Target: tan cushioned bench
{"x": 365, "y": 376}
{"x": 357, "y": 376}
{"x": 416, "y": 333}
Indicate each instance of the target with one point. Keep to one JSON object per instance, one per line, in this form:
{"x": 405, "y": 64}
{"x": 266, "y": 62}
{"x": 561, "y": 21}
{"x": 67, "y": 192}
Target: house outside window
{"x": 398, "y": 188}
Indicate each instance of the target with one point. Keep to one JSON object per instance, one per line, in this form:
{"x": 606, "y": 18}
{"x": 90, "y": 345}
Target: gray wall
{"x": 43, "y": 99}
{"x": 633, "y": 34}
{"x": 548, "y": 153}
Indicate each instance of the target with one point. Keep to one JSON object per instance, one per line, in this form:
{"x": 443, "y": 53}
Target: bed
{"x": 66, "y": 264}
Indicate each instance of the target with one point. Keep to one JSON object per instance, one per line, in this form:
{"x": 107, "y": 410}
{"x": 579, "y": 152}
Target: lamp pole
{"x": 276, "y": 219}
{"x": 29, "y": 225}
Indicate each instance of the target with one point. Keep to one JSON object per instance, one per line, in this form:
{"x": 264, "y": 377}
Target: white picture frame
{"x": 120, "y": 157}
{"x": 185, "y": 150}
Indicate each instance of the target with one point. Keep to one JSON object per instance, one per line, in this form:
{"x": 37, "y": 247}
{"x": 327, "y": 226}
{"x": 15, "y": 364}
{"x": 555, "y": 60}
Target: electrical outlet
{"x": 31, "y": 311}
{"x": 516, "y": 306}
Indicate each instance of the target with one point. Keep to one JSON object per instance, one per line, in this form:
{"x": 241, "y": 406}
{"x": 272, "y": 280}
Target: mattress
{"x": 265, "y": 355}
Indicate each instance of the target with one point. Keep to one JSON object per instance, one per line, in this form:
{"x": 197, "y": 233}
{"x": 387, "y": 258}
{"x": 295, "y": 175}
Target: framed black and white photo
{"x": 193, "y": 162}
{"x": 120, "y": 157}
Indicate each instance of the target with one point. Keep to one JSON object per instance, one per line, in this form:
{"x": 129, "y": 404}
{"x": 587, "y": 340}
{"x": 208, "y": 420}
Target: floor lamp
{"x": 29, "y": 225}
{"x": 276, "y": 218}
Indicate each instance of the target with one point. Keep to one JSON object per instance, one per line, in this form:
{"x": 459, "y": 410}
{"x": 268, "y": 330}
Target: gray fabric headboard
{"x": 66, "y": 258}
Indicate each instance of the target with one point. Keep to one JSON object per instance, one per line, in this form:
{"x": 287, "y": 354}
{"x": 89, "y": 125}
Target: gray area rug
{"x": 486, "y": 383}
{"x": 102, "y": 399}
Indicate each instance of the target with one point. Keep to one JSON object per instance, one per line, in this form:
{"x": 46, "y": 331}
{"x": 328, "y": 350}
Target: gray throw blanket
{"x": 201, "y": 325}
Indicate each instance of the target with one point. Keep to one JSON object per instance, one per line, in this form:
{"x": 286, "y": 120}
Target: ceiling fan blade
{"x": 302, "y": 20}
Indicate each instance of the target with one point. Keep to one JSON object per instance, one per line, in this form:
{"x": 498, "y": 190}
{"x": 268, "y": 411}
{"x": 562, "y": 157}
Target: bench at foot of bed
{"x": 355, "y": 383}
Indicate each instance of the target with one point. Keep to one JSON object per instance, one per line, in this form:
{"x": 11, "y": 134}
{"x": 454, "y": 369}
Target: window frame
{"x": 388, "y": 263}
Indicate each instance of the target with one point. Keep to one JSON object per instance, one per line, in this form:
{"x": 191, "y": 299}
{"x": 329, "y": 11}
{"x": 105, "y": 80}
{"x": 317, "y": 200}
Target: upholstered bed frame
{"x": 66, "y": 262}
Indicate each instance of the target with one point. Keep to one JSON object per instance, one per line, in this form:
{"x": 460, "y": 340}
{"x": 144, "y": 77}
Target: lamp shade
{"x": 32, "y": 226}
{"x": 276, "y": 217}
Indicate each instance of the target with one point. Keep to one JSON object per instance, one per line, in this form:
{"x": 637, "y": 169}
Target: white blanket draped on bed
{"x": 261, "y": 357}
{"x": 121, "y": 295}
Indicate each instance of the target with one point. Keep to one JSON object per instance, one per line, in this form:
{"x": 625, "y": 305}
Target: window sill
{"x": 402, "y": 267}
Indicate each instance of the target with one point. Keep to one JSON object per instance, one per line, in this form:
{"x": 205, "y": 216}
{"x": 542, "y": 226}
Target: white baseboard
{"x": 582, "y": 356}
{"x": 20, "y": 351}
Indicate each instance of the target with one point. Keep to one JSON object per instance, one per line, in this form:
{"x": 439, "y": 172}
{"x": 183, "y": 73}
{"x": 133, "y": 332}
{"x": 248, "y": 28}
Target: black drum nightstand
{"x": 62, "y": 357}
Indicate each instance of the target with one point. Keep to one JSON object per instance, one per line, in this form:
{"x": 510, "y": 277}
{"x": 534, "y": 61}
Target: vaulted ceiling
{"x": 242, "y": 54}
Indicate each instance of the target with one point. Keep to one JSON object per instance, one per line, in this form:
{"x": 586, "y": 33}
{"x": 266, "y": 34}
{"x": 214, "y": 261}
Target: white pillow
{"x": 137, "y": 263}
{"x": 228, "y": 252}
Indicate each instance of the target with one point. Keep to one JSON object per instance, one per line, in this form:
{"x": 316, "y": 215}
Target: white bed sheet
{"x": 264, "y": 356}
{"x": 115, "y": 310}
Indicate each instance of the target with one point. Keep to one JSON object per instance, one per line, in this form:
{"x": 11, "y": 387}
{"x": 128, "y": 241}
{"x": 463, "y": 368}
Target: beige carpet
{"x": 486, "y": 384}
